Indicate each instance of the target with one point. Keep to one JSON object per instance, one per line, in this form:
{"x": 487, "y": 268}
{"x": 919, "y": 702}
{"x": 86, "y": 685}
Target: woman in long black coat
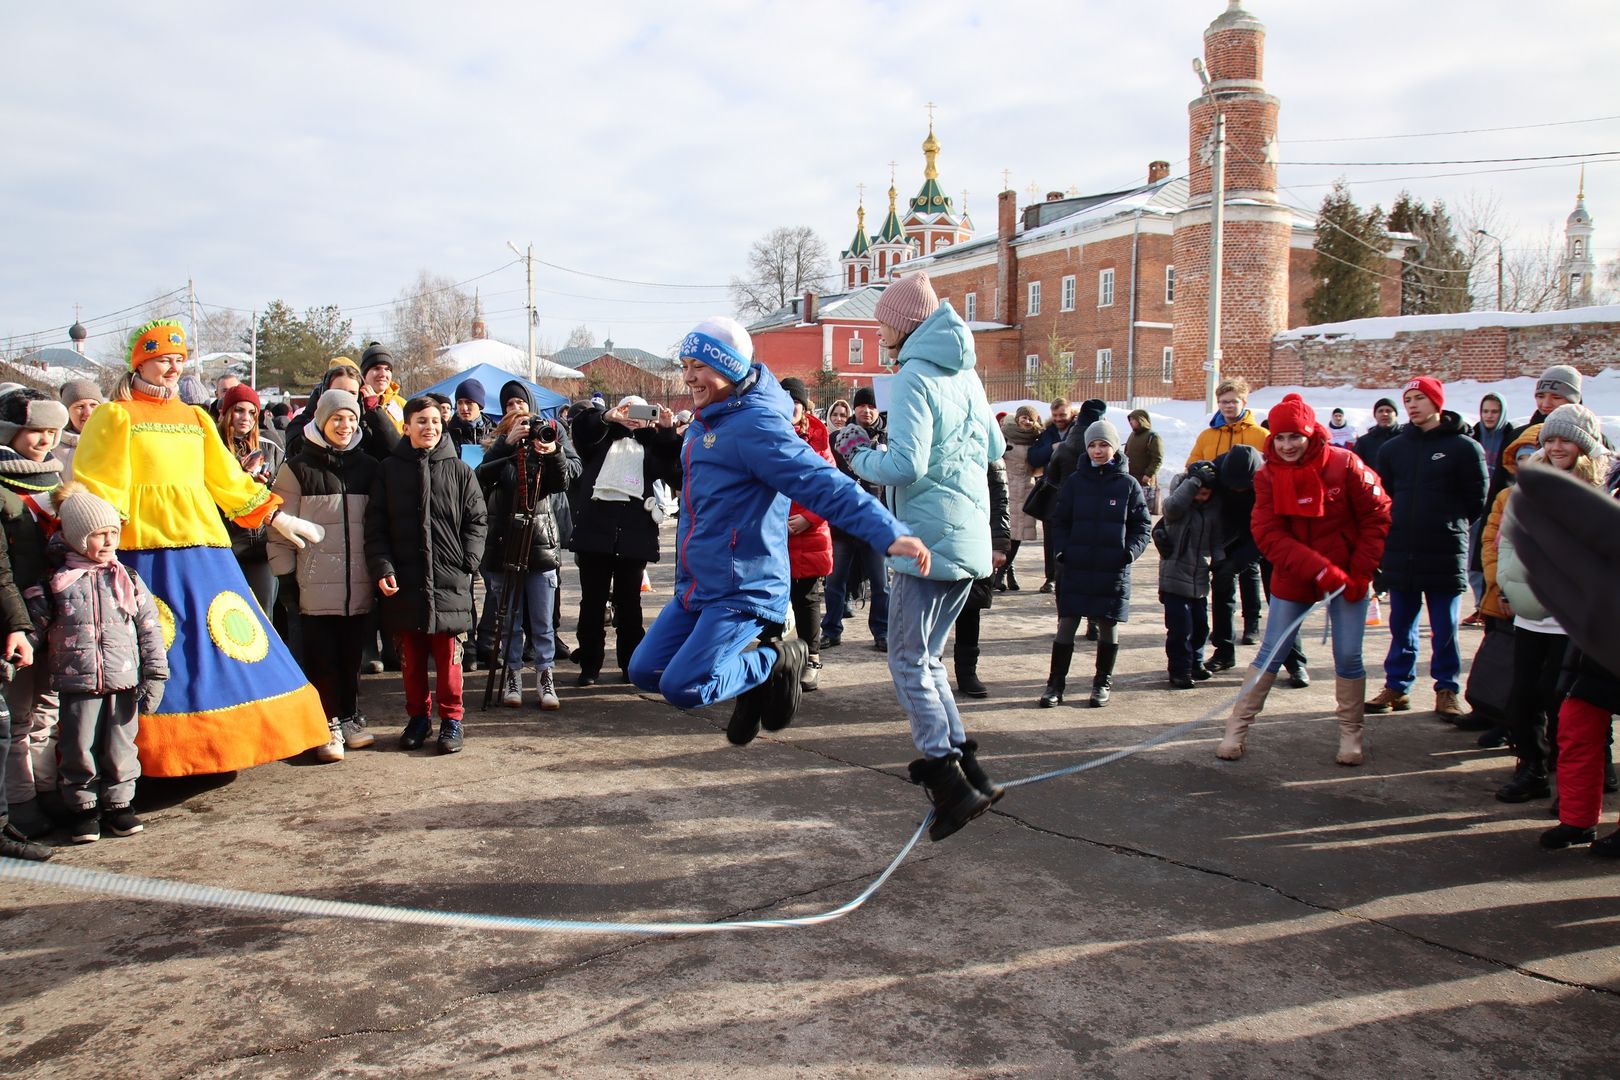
{"x": 1099, "y": 528}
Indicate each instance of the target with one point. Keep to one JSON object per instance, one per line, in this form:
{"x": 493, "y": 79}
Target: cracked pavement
{"x": 1165, "y": 913}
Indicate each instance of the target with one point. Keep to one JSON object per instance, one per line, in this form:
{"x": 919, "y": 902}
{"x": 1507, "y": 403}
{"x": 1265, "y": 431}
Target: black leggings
{"x": 332, "y": 646}
{"x": 1068, "y": 625}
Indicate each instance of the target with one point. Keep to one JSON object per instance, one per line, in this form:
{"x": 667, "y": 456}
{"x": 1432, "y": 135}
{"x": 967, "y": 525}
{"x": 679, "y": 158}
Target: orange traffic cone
{"x": 646, "y": 582}
{"x": 1375, "y": 616}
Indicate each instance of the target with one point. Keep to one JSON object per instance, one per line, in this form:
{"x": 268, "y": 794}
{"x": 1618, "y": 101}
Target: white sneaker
{"x": 512, "y": 696}
{"x": 548, "y": 691}
{"x": 333, "y": 750}
{"x": 355, "y": 735}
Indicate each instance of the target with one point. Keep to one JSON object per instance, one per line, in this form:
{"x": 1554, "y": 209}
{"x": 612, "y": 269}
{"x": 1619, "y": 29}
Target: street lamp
{"x": 534, "y": 317}
{"x": 1217, "y": 199}
{"x": 1498, "y": 239}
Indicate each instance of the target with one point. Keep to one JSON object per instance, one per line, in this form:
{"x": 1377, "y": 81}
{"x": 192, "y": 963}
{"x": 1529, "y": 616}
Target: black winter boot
{"x": 1562, "y": 836}
{"x": 1103, "y": 681}
{"x": 967, "y": 674}
{"x": 1223, "y": 660}
{"x": 1012, "y": 580}
{"x": 1529, "y": 782}
{"x": 956, "y": 802}
{"x": 1057, "y": 676}
{"x": 998, "y": 580}
{"x": 975, "y": 772}
{"x": 14, "y": 845}
{"x": 786, "y": 683}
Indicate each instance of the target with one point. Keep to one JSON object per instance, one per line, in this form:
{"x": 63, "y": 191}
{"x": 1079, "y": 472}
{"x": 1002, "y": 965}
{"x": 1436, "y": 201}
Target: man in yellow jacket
{"x": 377, "y": 385}
{"x": 1233, "y": 425}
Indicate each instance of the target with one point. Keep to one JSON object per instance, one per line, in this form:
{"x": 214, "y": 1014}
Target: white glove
{"x": 296, "y": 530}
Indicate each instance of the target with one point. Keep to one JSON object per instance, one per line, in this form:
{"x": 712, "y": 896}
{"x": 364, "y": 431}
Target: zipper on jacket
{"x": 343, "y": 508}
{"x": 691, "y": 515}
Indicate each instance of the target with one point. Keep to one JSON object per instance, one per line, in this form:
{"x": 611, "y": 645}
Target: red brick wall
{"x": 1485, "y": 354}
{"x": 1254, "y": 300}
{"x": 796, "y": 350}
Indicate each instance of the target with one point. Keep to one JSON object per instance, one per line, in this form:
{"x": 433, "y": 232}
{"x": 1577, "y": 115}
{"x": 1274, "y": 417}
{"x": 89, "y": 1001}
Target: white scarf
{"x": 622, "y": 478}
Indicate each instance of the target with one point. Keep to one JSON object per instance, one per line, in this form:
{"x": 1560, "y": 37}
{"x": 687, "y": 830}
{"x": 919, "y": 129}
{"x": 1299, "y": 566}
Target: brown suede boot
{"x": 1244, "y": 710}
{"x": 1351, "y": 695}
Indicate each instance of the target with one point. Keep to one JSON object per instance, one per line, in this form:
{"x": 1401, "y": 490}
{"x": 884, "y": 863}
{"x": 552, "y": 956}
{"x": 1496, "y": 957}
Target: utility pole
{"x": 1217, "y": 208}
{"x": 1500, "y": 306}
{"x": 253, "y": 352}
{"x": 534, "y": 316}
{"x": 191, "y": 290}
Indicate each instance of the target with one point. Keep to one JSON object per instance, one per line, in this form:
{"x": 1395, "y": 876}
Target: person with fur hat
{"x": 30, "y": 477}
{"x": 237, "y": 698}
{"x": 1320, "y": 518}
{"x": 81, "y": 396}
{"x": 329, "y": 483}
{"x": 1232, "y": 424}
{"x": 96, "y": 623}
{"x": 240, "y": 430}
{"x": 1100, "y": 526}
{"x": 942, "y": 438}
{"x": 1569, "y": 442}
{"x": 743, "y": 464}
{"x": 378, "y": 389}
{"x": 1435, "y": 474}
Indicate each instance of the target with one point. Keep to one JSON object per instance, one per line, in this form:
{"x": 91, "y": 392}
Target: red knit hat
{"x": 1291, "y": 416}
{"x": 235, "y": 396}
{"x": 1429, "y": 388}
{"x": 906, "y": 303}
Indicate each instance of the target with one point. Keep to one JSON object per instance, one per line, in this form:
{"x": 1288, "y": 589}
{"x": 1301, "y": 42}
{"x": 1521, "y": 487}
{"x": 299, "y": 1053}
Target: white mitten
{"x": 297, "y": 531}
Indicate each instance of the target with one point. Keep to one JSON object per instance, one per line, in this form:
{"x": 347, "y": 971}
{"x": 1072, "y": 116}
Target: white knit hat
{"x": 82, "y": 514}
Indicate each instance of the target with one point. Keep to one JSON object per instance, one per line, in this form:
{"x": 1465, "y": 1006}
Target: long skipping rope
{"x": 180, "y": 892}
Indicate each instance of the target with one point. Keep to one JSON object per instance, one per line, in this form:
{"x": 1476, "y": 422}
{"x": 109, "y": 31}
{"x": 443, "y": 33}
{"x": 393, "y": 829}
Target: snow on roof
{"x": 1383, "y": 329}
{"x": 978, "y": 325}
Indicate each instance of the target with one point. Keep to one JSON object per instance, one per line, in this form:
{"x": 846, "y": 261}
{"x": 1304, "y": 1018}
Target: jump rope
{"x": 180, "y": 892}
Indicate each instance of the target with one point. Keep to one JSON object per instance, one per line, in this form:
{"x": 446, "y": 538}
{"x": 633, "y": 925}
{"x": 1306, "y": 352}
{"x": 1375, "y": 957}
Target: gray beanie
{"x": 1576, "y": 423}
{"x": 82, "y": 514}
{"x": 334, "y": 401}
{"x": 1561, "y": 379}
{"x": 80, "y": 390}
{"x": 1104, "y": 431}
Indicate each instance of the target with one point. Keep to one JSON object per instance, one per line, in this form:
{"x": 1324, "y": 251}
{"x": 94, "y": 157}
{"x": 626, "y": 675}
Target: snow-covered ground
{"x": 1179, "y": 422}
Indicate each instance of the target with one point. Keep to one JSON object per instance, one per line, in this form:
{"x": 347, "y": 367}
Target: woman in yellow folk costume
{"x": 235, "y": 696}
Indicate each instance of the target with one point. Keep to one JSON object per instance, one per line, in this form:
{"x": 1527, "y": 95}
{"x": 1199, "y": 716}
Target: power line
{"x": 1592, "y": 156}
{"x": 92, "y": 320}
{"x": 1464, "y": 172}
{"x": 1462, "y": 131}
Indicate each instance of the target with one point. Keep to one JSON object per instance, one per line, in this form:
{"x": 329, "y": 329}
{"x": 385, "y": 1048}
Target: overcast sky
{"x": 325, "y": 153}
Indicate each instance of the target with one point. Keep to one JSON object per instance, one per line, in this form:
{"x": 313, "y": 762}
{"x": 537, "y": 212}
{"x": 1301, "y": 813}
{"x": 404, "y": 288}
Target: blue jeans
{"x": 921, "y": 619}
{"x": 1400, "y": 666}
{"x": 534, "y": 611}
{"x": 853, "y": 556}
{"x": 697, "y": 658}
{"x": 1347, "y": 621}
{"x": 1186, "y": 629}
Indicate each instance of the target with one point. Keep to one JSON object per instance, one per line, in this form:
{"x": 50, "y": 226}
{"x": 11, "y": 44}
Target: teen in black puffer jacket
{"x": 1437, "y": 481}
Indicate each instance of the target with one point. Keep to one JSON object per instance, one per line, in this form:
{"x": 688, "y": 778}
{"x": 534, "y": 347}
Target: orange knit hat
{"x": 156, "y": 339}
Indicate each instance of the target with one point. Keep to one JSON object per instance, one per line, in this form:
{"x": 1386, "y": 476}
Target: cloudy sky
{"x": 326, "y": 153}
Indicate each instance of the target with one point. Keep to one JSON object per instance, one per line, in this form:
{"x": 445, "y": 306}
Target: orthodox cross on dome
{"x": 1006, "y": 179}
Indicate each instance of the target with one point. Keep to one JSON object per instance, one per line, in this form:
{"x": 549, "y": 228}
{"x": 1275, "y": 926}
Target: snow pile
{"x": 1386, "y": 328}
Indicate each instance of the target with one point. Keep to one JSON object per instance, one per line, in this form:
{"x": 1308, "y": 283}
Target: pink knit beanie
{"x": 906, "y": 303}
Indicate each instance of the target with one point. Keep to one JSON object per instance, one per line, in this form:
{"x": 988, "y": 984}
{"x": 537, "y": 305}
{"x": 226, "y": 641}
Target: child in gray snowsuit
{"x": 1192, "y": 520}
{"x": 106, "y": 655}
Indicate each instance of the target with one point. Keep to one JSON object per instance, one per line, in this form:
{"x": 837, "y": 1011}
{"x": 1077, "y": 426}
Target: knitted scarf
{"x": 151, "y": 390}
{"x": 77, "y": 565}
{"x": 1297, "y": 489}
{"x": 26, "y": 476}
{"x": 1017, "y": 436}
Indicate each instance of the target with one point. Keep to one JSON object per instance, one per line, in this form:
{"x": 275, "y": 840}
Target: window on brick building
{"x": 1034, "y": 306}
{"x": 970, "y": 307}
{"x": 1068, "y": 292}
{"x": 1032, "y": 368}
{"x": 1066, "y": 364}
{"x": 1105, "y": 288}
{"x": 1105, "y": 365}
{"x": 1169, "y": 284}
{"x": 1169, "y": 361}
{"x": 857, "y": 352}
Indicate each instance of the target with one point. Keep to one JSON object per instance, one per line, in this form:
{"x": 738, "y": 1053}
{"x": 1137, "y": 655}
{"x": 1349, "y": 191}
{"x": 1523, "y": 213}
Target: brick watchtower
{"x": 1254, "y": 258}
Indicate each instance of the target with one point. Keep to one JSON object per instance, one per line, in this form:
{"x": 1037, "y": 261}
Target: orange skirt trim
{"x": 238, "y": 737}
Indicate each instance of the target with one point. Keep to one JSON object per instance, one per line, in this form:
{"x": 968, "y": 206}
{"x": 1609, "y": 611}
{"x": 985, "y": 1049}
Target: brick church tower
{"x": 1254, "y": 245}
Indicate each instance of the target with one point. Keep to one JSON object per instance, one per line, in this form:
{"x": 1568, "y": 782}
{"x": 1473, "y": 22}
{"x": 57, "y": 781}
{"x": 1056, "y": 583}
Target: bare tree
{"x": 785, "y": 263}
{"x": 1529, "y": 274}
{"x": 430, "y": 313}
{"x": 580, "y": 337}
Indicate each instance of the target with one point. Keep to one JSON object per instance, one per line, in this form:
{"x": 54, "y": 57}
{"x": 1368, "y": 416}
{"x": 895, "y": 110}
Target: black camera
{"x": 541, "y": 430}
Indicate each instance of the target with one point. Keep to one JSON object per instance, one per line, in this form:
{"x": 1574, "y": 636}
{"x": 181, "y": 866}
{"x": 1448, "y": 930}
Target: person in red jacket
{"x": 810, "y": 557}
{"x": 1320, "y": 517}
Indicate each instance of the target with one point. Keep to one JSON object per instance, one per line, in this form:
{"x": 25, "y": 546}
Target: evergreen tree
{"x": 1434, "y": 279}
{"x": 293, "y": 352}
{"x": 1351, "y": 255}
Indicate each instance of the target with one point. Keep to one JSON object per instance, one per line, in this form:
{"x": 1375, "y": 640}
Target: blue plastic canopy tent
{"x": 492, "y": 378}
